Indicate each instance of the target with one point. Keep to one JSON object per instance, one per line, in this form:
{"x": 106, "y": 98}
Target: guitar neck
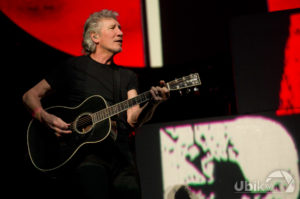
{"x": 120, "y": 107}
{"x": 177, "y": 84}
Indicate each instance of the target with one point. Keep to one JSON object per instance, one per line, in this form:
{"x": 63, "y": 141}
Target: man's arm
{"x": 32, "y": 100}
{"x": 136, "y": 115}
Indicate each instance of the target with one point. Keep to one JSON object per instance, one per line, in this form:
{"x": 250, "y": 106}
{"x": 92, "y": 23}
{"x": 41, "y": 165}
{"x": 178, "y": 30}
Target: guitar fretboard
{"x": 177, "y": 84}
{"x": 120, "y": 107}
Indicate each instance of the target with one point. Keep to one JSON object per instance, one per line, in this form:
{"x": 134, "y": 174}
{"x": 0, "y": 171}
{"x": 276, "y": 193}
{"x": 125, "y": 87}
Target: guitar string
{"x": 101, "y": 116}
{"x": 87, "y": 120}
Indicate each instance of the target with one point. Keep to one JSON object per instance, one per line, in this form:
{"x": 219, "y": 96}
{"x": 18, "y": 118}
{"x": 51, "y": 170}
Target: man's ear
{"x": 95, "y": 37}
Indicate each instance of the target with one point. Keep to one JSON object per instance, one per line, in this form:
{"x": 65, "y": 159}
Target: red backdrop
{"x": 59, "y": 23}
{"x": 276, "y": 5}
{"x": 290, "y": 83}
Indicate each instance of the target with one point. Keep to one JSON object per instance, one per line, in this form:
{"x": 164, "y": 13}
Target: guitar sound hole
{"x": 84, "y": 124}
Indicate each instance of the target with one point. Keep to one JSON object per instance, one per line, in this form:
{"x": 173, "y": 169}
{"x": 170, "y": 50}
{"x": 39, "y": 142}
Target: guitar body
{"x": 49, "y": 152}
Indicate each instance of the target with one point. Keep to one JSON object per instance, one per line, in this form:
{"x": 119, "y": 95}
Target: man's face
{"x": 110, "y": 35}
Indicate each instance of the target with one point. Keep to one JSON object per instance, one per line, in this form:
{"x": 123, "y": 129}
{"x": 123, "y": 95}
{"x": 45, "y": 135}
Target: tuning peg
{"x": 180, "y": 92}
{"x": 188, "y": 91}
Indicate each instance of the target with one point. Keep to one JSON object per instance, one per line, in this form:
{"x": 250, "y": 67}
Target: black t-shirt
{"x": 81, "y": 77}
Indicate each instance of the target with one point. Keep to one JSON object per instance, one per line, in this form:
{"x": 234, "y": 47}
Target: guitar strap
{"x": 117, "y": 98}
{"x": 116, "y": 85}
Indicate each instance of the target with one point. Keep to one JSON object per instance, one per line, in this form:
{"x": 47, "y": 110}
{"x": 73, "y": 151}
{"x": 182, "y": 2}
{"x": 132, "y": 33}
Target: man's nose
{"x": 120, "y": 33}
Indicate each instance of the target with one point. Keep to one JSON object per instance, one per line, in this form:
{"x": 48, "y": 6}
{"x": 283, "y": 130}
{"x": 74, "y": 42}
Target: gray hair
{"x": 92, "y": 25}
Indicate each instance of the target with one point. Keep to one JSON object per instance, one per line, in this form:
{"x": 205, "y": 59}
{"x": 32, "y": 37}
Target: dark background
{"x": 208, "y": 37}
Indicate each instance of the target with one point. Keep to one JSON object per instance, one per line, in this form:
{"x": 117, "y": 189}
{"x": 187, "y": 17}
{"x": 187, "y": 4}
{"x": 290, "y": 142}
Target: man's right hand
{"x": 57, "y": 124}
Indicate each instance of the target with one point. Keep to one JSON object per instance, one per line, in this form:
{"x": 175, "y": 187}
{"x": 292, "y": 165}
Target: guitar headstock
{"x": 188, "y": 81}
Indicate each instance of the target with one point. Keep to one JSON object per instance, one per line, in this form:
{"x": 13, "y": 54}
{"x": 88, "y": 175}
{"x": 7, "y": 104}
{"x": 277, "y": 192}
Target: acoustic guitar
{"x": 90, "y": 123}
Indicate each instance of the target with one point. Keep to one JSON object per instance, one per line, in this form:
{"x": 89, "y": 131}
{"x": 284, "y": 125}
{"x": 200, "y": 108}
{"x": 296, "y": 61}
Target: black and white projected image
{"x": 247, "y": 157}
